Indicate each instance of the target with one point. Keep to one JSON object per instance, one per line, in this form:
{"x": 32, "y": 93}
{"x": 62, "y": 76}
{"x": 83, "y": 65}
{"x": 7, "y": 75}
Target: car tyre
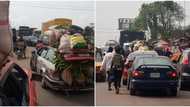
{"x": 173, "y": 92}
{"x": 43, "y": 83}
{"x": 132, "y": 92}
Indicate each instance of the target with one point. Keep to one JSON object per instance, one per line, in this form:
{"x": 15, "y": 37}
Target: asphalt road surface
{"x": 153, "y": 98}
{"x": 47, "y": 97}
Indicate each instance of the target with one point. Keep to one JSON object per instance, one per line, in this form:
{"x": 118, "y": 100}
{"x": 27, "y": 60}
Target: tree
{"x": 161, "y": 17}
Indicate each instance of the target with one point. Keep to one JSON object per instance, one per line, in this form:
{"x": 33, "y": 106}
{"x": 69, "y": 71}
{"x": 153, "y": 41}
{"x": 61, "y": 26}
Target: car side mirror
{"x": 36, "y": 77}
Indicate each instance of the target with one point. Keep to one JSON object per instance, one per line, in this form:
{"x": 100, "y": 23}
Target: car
{"x": 153, "y": 73}
{"x": 31, "y": 40}
{"x": 17, "y": 86}
{"x": 34, "y": 55}
{"x": 44, "y": 39}
{"x": 131, "y": 58}
{"x": 43, "y": 63}
{"x": 184, "y": 68}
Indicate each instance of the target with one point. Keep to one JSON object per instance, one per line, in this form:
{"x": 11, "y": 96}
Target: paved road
{"x": 108, "y": 98}
{"x": 57, "y": 98}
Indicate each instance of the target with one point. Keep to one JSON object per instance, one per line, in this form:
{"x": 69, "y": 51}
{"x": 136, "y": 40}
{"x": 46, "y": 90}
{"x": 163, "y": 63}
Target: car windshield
{"x": 33, "y": 37}
{"x": 50, "y": 55}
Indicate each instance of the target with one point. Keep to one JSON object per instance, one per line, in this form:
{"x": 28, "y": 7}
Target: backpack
{"x": 117, "y": 62}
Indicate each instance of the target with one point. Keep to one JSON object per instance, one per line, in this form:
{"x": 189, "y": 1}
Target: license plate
{"x": 155, "y": 75}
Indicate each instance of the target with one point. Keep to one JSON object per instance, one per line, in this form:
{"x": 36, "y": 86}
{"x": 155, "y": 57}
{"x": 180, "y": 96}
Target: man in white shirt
{"x": 106, "y": 65}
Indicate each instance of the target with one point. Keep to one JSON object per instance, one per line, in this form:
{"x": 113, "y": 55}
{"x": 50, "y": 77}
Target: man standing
{"x": 117, "y": 68}
{"x": 106, "y": 66}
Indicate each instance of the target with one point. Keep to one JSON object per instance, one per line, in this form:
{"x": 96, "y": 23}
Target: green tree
{"x": 161, "y": 17}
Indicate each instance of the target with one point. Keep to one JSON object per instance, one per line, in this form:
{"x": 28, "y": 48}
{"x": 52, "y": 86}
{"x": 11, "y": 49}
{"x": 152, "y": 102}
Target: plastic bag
{"x": 77, "y": 41}
{"x": 65, "y": 45}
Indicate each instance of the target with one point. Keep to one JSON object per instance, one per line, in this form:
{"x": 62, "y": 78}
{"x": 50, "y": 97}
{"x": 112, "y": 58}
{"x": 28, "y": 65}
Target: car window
{"x": 151, "y": 61}
{"x": 43, "y": 54}
{"x": 50, "y": 55}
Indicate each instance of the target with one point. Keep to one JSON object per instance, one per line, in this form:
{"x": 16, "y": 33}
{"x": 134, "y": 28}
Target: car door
{"x": 40, "y": 60}
{"x": 48, "y": 62}
{"x": 33, "y": 61}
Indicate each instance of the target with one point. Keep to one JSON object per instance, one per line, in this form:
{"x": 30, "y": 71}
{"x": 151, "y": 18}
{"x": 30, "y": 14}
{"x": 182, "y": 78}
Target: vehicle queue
{"x": 153, "y": 68}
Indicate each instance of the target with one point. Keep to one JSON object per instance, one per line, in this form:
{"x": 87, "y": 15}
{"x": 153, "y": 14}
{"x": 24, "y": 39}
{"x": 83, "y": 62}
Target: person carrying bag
{"x": 117, "y": 68}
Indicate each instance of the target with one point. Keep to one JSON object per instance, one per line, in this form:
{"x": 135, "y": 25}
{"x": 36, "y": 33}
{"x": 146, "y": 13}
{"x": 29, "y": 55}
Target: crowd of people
{"x": 114, "y": 60}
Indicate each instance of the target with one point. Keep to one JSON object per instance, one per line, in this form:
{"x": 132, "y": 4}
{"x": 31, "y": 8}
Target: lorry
{"x": 24, "y": 31}
{"x": 129, "y": 36}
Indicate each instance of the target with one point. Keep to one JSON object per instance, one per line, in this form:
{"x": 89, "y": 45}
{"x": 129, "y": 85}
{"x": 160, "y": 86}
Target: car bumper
{"x": 154, "y": 84}
{"x": 61, "y": 85}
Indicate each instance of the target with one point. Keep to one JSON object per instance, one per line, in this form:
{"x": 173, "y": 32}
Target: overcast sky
{"x": 33, "y": 13}
{"x": 107, "y": 14}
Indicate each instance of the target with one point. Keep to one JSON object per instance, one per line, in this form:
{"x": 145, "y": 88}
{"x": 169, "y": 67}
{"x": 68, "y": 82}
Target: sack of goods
{"x": 64, "y": 45}
{"x": 53, "y": 36}
{"x": 77, "y": 41}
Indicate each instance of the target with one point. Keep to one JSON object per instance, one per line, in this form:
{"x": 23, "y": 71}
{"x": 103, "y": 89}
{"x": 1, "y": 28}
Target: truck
{"x": 24, "y": 31}
{"x": 129, "y": 36}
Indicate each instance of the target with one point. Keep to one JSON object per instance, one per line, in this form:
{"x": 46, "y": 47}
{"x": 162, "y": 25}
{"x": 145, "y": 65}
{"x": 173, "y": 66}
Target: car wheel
{"x": 103, "y": 77}
{"x": 132, "y": 91}
{"x": 43, "y": 83}
{"x": 173, "y": 92}
{"x": 128, "y": 83}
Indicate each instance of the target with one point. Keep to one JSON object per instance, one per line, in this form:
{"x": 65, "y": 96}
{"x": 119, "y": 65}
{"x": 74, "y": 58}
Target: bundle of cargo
{"x": 73, "y": 58}
{"x": 72, "y": 44}
{"x": 75, "y": 69}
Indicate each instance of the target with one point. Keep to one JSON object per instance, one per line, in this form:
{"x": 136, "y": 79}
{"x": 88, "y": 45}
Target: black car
{"x": 184, "y": 68}
{"x": 153, "y": 73}
{"x": 31, "y": 40}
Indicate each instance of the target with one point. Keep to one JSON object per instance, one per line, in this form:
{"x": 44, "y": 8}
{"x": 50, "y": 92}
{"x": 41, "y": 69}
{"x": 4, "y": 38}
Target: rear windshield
{"x": 152, "y": 61}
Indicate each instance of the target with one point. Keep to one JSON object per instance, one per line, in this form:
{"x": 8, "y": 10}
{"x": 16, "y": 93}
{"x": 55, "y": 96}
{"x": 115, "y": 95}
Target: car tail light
{"x": 185, "y": 61}
{"x": 137, "y": 73}
{"x": 172, "y": 74}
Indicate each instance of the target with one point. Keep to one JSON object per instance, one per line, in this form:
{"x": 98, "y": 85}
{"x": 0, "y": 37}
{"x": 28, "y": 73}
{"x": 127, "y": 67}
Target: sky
{"x": 33, "y": 13}
{"x": 107, "y": 14}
